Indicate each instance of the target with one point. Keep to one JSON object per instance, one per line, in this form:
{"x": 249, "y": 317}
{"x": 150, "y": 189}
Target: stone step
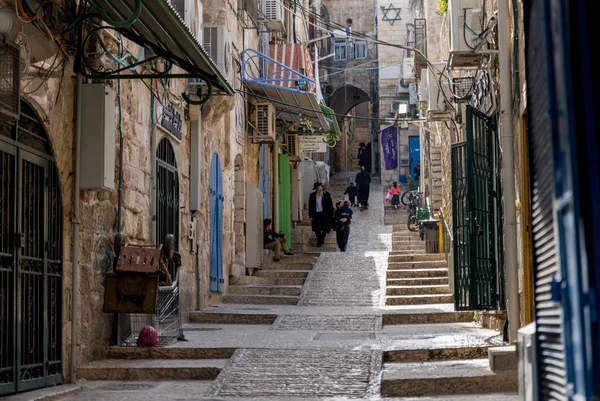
{"x": 416, "y": 273}
{"x": 168, "y": 353}
{"x": 291, "y": 290}
{"x": 435, "y": 354}
{"x": 418, "y": 251}
{"x": 324, "y": 248}
{"x": 283, "y": 265}
{"x": 412, "y": 237}
{"x": 427, "y": 318}
{"x": 419, "y": 299}
{"x": 417, "y": 281}
{"x": 274, "y": 281}
{"x": 231, "y": 318}
{"x": 260, "y": 299}
{"x": 291, "y": 260}
{"x": 417, "y": 290}
{"x": 417, "y": 265}
{"x": 152, "y": 369}
{"x": 286, "y": 273}
{"x": 406, "y": 245}
{"x": 416, "y": 379}
{"x": 503, "y": 358}
{"x": 329, "y": 240}
{"x": 395, "y": 257}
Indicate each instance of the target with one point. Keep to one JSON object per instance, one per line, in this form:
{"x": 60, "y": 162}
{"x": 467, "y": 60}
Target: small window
{"x": 360, "y": 49}
{"x": 340, "y": 49}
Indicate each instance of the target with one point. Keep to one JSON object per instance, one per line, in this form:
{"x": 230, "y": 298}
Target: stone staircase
{"x": 277, "y": 283}
{"x": 414, "y": 277}
{"x": 417, "y": 278}
{"x": 159, "y": 363}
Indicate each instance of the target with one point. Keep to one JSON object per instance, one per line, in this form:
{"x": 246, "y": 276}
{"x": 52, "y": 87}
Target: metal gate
{"x": 167, "y": 193}
{"x": 216, "y": 225}
{"x": 30, "y": 258}
{"x": 476, "y": 217}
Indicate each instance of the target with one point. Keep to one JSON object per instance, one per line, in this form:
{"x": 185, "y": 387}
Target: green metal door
{"x": 285, "y": 200}
{"x": 476, "y": 217}
{"x": 167, "y": 197}
{"x": 30, "y": 258}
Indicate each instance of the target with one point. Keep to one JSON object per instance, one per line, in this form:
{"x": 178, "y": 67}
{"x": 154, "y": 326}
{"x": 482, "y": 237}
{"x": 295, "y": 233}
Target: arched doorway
{"x": 216, "y": 225}
{"x": 167, "y": 196}
{"x": 31, "y": 257}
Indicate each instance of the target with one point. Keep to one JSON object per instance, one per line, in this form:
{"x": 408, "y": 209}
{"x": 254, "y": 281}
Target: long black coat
{"x": 327, "y": 217}
{"x": 363, "y": 181}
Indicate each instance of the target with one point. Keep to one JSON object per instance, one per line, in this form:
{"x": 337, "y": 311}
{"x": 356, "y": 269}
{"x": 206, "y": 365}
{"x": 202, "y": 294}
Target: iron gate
{"x": 167, "y": 193}
{"x": 476, "y": 217}
{"x": 30, "y": 258}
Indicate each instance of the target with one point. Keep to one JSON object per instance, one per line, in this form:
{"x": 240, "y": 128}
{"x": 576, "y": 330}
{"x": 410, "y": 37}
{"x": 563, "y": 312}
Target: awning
{"x": 160, "y": 29}
{"x": 291, "y": 93}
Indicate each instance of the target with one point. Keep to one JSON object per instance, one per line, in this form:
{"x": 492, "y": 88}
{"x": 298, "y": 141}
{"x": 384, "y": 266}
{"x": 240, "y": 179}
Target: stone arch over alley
{"x": 356, "y": 103}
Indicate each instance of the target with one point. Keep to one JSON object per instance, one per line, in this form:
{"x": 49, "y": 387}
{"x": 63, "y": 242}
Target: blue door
{"x": 414, "y": 146}
{"x": 216, "y": 225}
{"x": 264, "y": 178}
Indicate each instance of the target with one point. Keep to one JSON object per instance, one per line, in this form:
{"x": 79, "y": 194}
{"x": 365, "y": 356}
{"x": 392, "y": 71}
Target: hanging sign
{"x": 313, "y": 144}
{"x": 389, "y": 145}
{"x": 240, "y": 120}
{"x": 170, "y": 119}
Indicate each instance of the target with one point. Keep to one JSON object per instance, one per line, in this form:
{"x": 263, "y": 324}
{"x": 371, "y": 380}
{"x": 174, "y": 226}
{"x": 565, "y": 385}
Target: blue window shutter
{"x": 216, "y": 225}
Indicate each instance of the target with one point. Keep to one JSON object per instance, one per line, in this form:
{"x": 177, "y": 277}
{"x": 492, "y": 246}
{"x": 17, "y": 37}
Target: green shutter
{"x": 285, "y": 202}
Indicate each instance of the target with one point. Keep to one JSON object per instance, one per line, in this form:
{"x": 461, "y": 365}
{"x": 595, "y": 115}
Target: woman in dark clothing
{"x": 363, "y": 182}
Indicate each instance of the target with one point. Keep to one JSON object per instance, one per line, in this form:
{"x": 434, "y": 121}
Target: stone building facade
{"x": 222, "y": 126}
{"x": 447, "y": 134}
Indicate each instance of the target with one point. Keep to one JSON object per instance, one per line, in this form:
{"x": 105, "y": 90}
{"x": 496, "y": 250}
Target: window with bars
{"x": 360, "y": 49}
{"x": 340, "y": 48}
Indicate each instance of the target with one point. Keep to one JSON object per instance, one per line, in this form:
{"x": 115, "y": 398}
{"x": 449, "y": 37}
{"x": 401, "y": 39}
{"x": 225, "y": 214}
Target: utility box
{"x": 97, "y": 161}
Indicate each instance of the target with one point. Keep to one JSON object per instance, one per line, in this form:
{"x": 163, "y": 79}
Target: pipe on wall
{"x": 75, "y": 232}
{"x": 507, "y": 138}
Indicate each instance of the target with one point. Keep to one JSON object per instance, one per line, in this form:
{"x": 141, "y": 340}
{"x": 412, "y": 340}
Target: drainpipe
{"x": 276, "y": 186}
{"x": 153, "y": 168}
{"x": 508, "y": 172}
{"x": 75, "y": 231}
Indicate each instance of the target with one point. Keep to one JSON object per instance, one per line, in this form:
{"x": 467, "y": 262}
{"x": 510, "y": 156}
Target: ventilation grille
{"x": 463, "y": 88}
{"x": 293, "y": 145}
{"x": 264, "y": 114}
{"x": 9, "y": 82}
{"x": 270, "y": 9}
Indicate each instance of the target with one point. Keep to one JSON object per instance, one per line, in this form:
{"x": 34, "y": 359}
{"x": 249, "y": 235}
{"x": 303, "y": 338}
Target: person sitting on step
{"x": 275, "y": 242}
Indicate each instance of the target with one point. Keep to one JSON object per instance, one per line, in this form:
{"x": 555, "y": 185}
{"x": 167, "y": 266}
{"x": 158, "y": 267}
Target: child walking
{"x": 343, "y": 217}
{"x": 351, "y": 192}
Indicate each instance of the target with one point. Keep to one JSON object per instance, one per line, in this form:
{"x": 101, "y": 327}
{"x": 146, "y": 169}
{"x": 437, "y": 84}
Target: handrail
{"x": 445, "y": 225}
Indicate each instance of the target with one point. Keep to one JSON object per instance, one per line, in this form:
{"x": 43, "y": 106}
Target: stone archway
{"x": 239, "y": 217}
{"x": 350, "y": 99}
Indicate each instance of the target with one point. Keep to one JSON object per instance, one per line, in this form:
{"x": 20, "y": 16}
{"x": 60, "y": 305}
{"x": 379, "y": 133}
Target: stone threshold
{"x": 152, "y": 369}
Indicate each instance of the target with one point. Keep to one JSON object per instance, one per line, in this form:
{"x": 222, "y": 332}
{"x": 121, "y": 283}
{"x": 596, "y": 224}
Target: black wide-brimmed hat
{"x": 317, "y": 184}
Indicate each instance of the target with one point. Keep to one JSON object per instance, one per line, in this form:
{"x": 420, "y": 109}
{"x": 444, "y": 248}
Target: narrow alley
{"x": 340, "y": 341}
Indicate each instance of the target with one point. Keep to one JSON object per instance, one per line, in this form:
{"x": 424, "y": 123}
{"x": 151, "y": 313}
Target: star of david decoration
{"x": 394, "y": 14}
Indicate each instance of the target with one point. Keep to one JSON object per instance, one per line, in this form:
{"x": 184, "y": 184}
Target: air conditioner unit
{"x": 436, "y": 101}
{"x": 323, "y": 75}
{"x": 423, "y": 90}
{"x": 265, "y": 123}
{"x": 10, "y": 98}
{"x": 399, "y": 107}
{"x": 413, "y": 94}
{"x": 272, "y": 15}
{"x": 293, "y": 146}
{"x": 526, "y": 350}
{"x": 217, "y": 44}
{"x": 190, "y": 12}
{"x": 408, "y": 70}
{"x": 464, "y": 17}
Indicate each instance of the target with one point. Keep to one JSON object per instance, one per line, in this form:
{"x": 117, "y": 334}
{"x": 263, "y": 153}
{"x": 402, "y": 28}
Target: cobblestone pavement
{"x": 327, "y": 348}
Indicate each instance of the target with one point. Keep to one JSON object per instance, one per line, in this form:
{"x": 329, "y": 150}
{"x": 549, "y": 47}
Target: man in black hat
{"x": 320, "y": 210}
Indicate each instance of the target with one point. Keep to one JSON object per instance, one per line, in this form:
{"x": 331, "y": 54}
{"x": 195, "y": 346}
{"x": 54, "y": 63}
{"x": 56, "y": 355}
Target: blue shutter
{"x": 216, "y": 225}
{"x": 264, "y": 179}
